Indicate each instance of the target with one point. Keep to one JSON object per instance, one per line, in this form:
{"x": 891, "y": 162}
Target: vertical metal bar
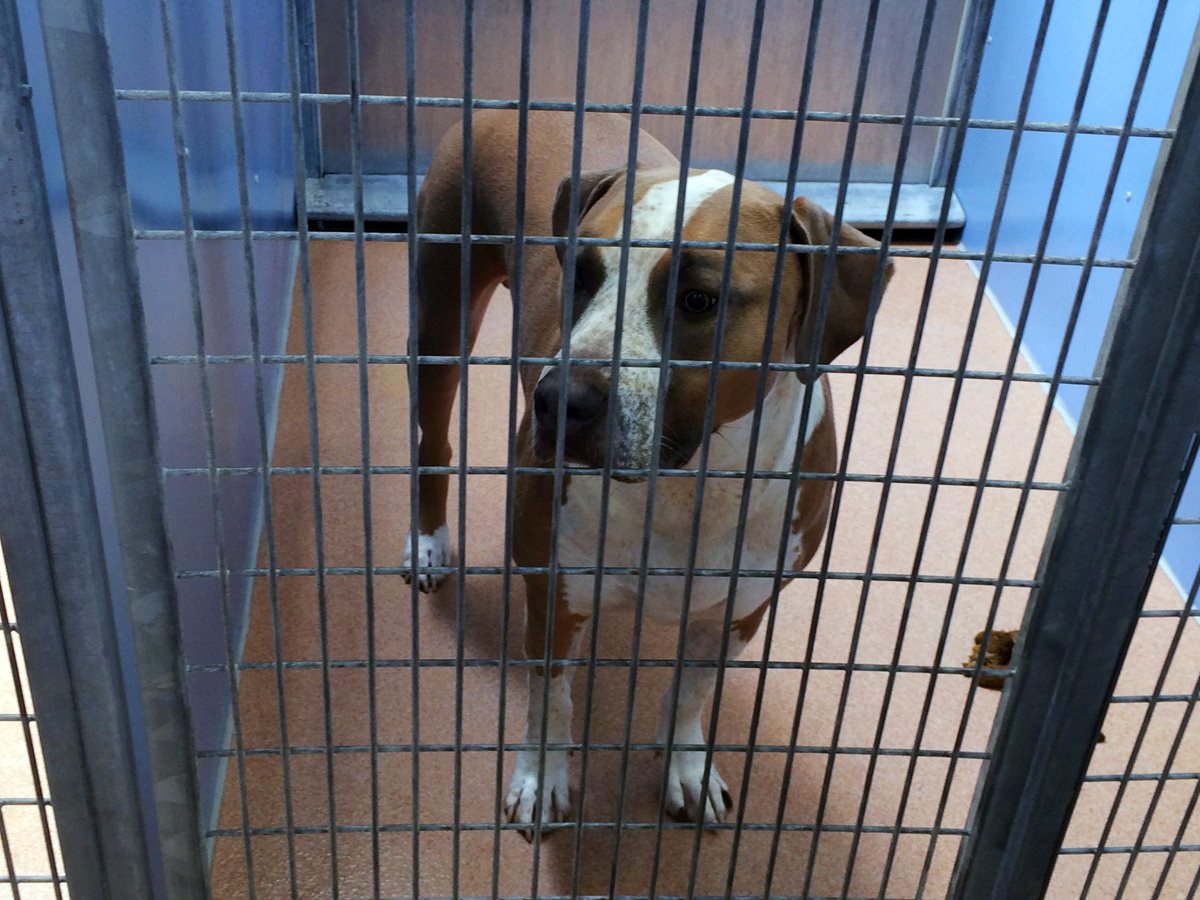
{"x": 639, "y": 76}
{"x": 464, "y": 369}
{"x": 701, "y": 481}
{"x": 414, "y": 432}
{"x": 972, "y": 39}
{"x": 314, "y": 437}
{"x": 210, "y": 445}
{"x": 1124, "y": 476}
{"x": 517, "y": 285}
{"x": 893, "y": 457}
{"x": 50, "y": 531}
{"x": 81, "y": 83}
{"x": 568, "y": 317}
{"x": 364, "y": 422}
{"x": 660, "y": 400}
{"x": 947, "y": 430}
{"x": 840, "y": 481}
{"x": 306, "y": 34}
{"x": 789, "y": 195}
{"x": 264, "y": 439}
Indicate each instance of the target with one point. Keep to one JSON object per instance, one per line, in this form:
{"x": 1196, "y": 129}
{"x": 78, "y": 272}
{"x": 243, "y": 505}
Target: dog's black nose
{"x": 586, "y": 401}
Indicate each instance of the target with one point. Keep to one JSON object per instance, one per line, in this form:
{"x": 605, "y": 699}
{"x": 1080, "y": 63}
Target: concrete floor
{"x": 338, "y": 406}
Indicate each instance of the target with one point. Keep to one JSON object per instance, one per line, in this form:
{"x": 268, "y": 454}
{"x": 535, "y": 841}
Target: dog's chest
{"x": 675, "y": 526}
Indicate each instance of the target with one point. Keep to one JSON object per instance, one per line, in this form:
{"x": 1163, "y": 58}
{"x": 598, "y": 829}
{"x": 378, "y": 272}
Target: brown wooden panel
{"x": 555, "y": 28}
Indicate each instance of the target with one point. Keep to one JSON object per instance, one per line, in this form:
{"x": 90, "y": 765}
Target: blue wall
{"x": 135, "y": 38}
{"x": 1005, "y": 64}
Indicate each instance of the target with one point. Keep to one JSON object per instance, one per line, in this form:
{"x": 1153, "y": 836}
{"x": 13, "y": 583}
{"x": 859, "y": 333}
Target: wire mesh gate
{"x": 423, "y": 716}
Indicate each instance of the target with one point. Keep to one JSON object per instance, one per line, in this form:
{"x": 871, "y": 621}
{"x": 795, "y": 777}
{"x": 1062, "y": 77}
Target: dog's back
{"x": 494, "y": 203}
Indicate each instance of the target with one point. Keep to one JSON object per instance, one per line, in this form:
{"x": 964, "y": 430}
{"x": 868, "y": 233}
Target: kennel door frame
{"x": 52, "y": 535}
{"x": 85, "y": 108}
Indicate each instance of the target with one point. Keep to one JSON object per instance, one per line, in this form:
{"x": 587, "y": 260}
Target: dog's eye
{"x": 696, "y": 302}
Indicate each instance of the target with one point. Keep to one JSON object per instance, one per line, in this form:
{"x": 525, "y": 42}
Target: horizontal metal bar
{"x": 1186, "y": 520}
{"x": 668, "y": 571}
{"x": 16, "y": 717}
{"x": 630, "y": 363}
{"x": 648, "y": 663}
{"x": 307, "y": 749}
{"x": 1145, "y": 848}
{"x": 655, "y": 896}
{"x": 1167, "y": 613}
{"x": 400, "y": 237}
{"x": 1142, "y": 776}
{"x": 407, "y": 827}
{"x": 385, "y": 199}
{"x": 651, "y": 109}
{"x": 1147, "y": 698}
{"x": 25, "y": 801}
{"x": 766, "y": 474}
{"x": 33, "y": 879}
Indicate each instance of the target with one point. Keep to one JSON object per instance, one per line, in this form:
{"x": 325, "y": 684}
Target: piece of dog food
{"x": 998, "y": 656}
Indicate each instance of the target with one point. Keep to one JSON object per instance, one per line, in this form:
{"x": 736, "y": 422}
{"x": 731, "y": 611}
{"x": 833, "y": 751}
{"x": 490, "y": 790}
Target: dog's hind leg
{"x": 439, "y": 333}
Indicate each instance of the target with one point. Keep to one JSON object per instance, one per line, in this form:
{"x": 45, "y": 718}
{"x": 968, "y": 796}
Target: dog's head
{"x": 598, "y": 293}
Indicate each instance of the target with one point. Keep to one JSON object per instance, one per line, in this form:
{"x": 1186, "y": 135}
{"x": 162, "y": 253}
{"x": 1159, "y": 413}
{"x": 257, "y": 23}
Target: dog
{"x": 590, "y": 403}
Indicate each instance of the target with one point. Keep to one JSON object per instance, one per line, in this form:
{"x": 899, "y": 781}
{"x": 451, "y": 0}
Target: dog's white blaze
{"x": 652, "y": 218}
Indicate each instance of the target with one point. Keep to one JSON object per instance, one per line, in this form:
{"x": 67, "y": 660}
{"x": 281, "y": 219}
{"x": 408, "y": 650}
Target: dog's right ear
{"x": 592, "y": 186}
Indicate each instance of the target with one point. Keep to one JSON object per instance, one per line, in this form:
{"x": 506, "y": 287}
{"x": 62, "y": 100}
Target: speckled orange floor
{"x": 350, "y": 701}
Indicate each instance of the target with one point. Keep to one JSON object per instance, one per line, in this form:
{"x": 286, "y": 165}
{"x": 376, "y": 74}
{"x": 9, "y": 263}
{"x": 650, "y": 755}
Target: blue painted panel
{"x": 1045, "y": 309}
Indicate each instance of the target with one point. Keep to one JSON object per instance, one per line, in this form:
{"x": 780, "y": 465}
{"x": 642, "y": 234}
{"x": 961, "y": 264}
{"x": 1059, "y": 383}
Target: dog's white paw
{"x": 688, "y": 798}
{"x": 433, "y": 550}
{"x": 523, "y": 790}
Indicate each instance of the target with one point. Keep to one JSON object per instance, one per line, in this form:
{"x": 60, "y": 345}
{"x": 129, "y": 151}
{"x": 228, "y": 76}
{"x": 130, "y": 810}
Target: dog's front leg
{"x": 688, "y": 796}
{"x": 549, "y": 691}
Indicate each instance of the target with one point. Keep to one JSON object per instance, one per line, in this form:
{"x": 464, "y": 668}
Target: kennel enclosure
{"x": 154, "y": 609}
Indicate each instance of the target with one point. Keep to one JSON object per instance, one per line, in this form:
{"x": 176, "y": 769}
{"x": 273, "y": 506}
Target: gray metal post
{"x": 50, "y": 529}
{"x": 85, "y": 107}
{"x": 1124, "y": 473}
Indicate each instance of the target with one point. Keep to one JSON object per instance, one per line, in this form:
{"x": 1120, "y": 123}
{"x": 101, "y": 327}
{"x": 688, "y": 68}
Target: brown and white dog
{"x": 590, "y": 403}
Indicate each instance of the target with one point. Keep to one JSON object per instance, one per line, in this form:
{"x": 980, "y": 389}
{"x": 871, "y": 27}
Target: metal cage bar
{"x": 650, "y": 109}
{"x": 1125, "y": 471}
{"x": 50, "y": 532}
{"x": 84, "y": 101}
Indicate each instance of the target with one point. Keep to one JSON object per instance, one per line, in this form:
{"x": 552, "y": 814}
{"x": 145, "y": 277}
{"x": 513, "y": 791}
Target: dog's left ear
{"x": 592, "y": 186}
{"x": 849, "y": 295}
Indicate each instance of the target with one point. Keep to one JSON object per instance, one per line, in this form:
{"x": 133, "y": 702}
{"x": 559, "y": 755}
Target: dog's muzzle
{"x": 586, "y": 411}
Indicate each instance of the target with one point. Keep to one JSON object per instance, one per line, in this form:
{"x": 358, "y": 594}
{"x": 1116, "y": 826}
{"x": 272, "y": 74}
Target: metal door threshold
{"x": 385, "y": 199}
